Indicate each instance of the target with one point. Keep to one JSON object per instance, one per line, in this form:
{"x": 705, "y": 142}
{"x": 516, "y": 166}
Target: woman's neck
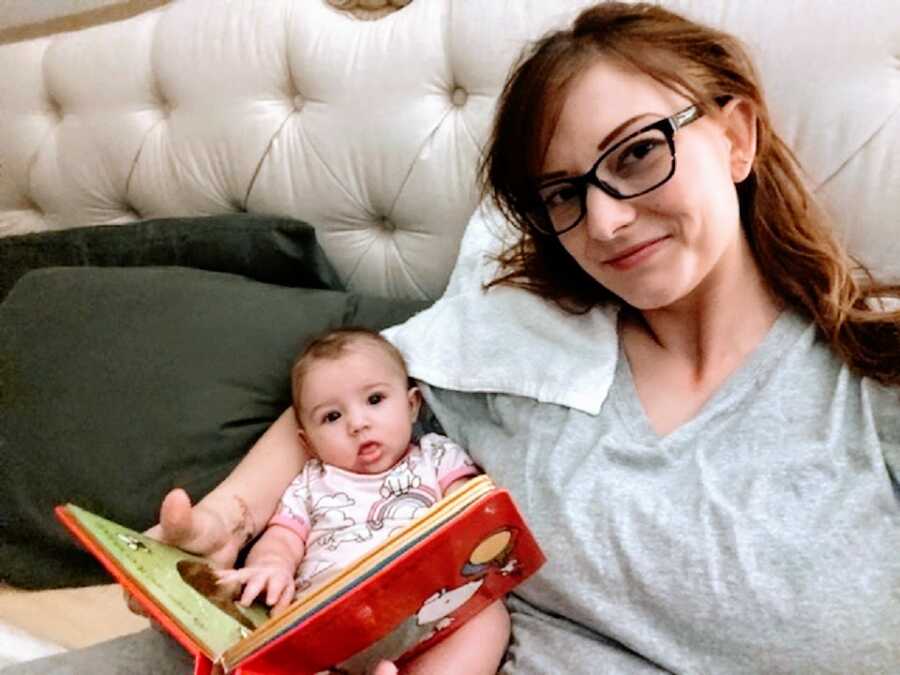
{"x": 719, "y": 323}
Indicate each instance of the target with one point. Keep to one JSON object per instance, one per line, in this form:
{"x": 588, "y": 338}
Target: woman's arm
{"x": 220, "y": 524}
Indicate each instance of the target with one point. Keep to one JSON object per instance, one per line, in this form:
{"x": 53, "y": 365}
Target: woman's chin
{"x": 658, "y": 291}
{"x": 648, "y": 301}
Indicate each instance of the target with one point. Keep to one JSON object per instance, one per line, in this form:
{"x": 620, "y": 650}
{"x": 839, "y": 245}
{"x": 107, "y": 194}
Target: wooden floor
{"x": 70, "y": 617}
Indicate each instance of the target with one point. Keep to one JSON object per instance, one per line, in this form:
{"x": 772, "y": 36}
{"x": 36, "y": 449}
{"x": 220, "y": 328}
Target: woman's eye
{"x": 559, "y": 195}
{"x": 639, "y": 151}
{"x": 331, "y": 417}
{"x": 375, "y": 399}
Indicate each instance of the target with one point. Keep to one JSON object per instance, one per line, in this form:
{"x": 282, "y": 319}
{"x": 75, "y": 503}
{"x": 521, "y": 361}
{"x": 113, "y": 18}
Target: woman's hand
{"x": 195, "y": 529}
{"x": 192, "y": 528}
{"x": 226, "y": 519}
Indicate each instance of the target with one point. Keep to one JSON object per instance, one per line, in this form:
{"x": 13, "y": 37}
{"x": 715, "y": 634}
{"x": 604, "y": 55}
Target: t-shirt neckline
{"x": 787, "y": 327}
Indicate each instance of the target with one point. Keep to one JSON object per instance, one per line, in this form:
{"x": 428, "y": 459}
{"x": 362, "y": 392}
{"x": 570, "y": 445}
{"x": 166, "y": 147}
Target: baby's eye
{"x": 376, "y": 398}
{"x": 330, "y": 417}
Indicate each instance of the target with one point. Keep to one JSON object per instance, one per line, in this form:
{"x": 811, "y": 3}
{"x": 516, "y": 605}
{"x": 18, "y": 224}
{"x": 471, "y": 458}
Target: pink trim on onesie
{"x": 298, "y": 527}
{"x": 455, "y": 475}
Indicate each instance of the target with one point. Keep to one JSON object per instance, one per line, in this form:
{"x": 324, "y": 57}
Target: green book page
{"x": 181, "y": 583}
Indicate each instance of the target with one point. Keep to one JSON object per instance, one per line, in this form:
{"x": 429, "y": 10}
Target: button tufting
{"x": 55, "y": 108}
{"x": 387, "y": 225}
{"x": 130, "y": 212}
{"x": 28, "y": 204}
{"x": 459, "y": 97}
{"x": 298, "y": 102}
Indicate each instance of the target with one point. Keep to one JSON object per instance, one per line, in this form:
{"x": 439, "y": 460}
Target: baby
{"x": 355, "y": 411}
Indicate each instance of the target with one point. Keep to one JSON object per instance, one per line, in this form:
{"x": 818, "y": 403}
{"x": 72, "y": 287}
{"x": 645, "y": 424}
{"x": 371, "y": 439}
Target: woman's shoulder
{"x": 882, "y": 402}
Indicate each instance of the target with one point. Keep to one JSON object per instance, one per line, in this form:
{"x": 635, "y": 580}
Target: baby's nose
{"x": 357, "y": 421}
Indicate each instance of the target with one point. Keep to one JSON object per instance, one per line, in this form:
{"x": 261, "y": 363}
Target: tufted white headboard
{"x": 371, "y": 130}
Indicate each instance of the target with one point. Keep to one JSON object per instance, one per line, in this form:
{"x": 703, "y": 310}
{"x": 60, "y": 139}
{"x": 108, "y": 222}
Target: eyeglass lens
{"x": 633, "y": 166}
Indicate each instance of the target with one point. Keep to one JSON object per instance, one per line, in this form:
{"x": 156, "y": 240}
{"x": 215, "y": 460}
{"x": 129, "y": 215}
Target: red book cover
{"x": 406, "y": 595}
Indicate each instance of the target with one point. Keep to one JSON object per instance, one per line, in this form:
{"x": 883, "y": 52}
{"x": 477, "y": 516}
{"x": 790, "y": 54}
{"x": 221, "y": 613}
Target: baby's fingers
{"x": 253, "y": 588}
{"x": 228, "y": 581}
{"x": 280, "y": 602}
{"x": 230, "y": 576}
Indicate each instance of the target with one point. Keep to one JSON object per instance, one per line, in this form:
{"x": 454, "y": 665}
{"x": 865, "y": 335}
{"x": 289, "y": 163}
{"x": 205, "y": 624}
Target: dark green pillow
{"x": 266, "y": 248}
{"x": 117, "y": 384}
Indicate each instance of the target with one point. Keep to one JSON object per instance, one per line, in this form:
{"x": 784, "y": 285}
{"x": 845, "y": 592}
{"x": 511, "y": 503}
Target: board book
{"x": 421, "y": 584}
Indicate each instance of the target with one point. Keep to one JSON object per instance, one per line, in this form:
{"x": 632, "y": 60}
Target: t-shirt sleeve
{"x": 450, "y": 461}
{"x": 885, "y": 406}
{"x": 292, "y": 512}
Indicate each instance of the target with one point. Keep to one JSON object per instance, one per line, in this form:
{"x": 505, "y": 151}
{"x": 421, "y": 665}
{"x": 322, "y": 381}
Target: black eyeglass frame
{"x": 668, "y": 126}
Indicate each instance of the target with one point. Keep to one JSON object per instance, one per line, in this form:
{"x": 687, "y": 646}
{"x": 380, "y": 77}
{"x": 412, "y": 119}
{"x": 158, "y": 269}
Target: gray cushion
{"x": 266, "y": 248}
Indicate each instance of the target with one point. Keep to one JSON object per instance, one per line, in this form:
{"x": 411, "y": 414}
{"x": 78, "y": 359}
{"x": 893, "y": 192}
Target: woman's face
{"x": 659, "y": 248}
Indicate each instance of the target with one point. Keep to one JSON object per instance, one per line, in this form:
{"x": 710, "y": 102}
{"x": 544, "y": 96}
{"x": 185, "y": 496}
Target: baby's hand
{"x": 271, "y": 576}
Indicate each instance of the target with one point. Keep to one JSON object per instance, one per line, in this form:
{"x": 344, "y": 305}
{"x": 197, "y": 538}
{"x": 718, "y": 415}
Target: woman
{"x": 732, "y": 508}
{"x": 735, "y": 505}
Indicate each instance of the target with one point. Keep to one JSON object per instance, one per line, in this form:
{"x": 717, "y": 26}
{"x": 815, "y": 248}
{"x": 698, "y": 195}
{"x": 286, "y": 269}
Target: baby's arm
{"x": 271, "y": 566}
{"x": 475, "y": 648}
{"x": 455, "y": 485}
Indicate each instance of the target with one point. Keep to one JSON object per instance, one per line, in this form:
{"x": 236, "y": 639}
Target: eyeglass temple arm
{"x": 684, "y": 117}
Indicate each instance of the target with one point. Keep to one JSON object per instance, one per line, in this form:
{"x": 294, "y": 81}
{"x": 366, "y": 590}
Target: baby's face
{"x": 357, "y": 410}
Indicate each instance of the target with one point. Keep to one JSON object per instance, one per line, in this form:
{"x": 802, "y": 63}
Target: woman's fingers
{"x": 385, "y": 668}
{"x": 192, "y": 528}
{"x": 133, "y": 604}
{"x": 195, "y": 529}
{"x": 176, "y": 520}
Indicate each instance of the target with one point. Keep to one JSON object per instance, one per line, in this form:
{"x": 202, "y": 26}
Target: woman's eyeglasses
{"x": 638, "y": 163}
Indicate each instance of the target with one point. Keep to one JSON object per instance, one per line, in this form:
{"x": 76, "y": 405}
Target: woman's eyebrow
{"x": 618, "y": 130}
{"x": 544, "y": 177}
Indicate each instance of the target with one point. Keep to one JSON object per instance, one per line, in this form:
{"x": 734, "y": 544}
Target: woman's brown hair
{"x": 789, "y": 234}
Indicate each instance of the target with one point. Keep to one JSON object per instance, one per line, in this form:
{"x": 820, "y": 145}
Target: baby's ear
{"x": 304, "y": 442}
{"x": 415, "y": 402}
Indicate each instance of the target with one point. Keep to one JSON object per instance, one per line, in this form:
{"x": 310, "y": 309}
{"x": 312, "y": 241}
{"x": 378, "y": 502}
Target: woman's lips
{"x": 635, "y": 255}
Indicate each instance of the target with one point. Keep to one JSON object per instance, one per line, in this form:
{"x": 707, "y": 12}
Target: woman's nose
{"x": 605, "y": 215}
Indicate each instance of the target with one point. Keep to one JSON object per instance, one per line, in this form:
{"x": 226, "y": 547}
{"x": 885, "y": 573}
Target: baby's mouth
{"x": 369, "y": 450}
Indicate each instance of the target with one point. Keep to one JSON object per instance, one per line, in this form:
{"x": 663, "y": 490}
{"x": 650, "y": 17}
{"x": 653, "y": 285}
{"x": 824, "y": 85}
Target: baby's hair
{"x": 332, "y": 345}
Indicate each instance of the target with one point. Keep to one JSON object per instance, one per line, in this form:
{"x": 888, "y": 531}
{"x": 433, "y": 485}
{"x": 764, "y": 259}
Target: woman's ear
{"x": 739, "y": 120}
{"x": 415, "y": 402}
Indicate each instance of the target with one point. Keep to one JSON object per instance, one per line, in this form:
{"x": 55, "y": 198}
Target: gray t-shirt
{"x": 762, "y": 536}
